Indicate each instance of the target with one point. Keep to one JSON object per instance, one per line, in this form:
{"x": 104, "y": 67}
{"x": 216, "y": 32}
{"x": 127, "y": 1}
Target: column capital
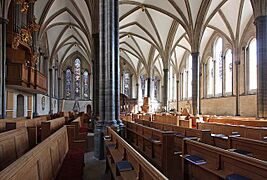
{"x": 166, "y": 70}
{"x": 3, "y": 20}
{"x": 259, "y": 8}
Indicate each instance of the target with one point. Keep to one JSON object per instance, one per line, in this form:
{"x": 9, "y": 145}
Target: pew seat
{"x": 124, "y": 162}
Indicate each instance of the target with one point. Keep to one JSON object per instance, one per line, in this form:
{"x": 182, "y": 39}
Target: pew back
{"x": 256, "y": 133}
{"x": 13, "y": 144}
{"x": 49, "y": 127}
{"x": 42, "y": 162}
{"x": 219, "y": 163}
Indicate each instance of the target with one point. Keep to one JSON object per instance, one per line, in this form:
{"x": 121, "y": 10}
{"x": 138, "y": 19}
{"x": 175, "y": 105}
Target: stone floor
{"x": 94, "y": 169}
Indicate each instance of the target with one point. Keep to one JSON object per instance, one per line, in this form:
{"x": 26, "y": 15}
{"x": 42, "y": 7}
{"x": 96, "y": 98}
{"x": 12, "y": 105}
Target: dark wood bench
{"x": 45, "y": 160}
{"x": 202, "y": 161}
{"x": 156, "y": 145}
{"x": 51, "y": 126}
{"x": 80, "y": 129}
{"x": 246, "y": 121}
{"x": 124, "y": 162}
{"x": 257, "y": 133}
{"x": 13, "y": 144}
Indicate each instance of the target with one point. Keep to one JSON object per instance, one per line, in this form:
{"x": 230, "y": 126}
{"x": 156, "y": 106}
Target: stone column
{"x": 261, "y": 28}
{"x": 3, "y": 23}
{"x": 260, "y": 14}
{"x": 137, "y": 91}
{"x": 59, "y": 93}
{"x": 165, "y": 88}
{"x": 177, "y": 94}
{"x": 195, "y": 83}
{"x": 109, "y": 72}
{"x": 96, "y": 75}
{"x": 237, "y": 67}
{"x": 50, "y": 91}
{"x": 148, "y": 87}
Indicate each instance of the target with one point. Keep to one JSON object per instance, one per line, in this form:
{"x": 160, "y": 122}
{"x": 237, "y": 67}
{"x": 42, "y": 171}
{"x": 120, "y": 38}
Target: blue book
{"x": 124, "y": 166}
{"x": 195, "y": 159}
{"x": 236, "y": 177}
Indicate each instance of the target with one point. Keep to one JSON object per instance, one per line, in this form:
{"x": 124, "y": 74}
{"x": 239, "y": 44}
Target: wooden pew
{"x": 147, "y": 117}
{"x": 202, "y": 161}
{"x": 257, "y": 133}
{"x": 166, "y": 119}
{"x": 13, "y": 144}
{"x": 128, "y": 117}
{"x": 42, "y": 162}
{"x": 77, "y": 123}
{"x": 120, "y": 152}
{"x": 2, "y": 126}
{"x": 51, "y": 126}
{"x": 246, "y": 121}
{"x": 156, "y": 145}
{"x": 250, "y": 147}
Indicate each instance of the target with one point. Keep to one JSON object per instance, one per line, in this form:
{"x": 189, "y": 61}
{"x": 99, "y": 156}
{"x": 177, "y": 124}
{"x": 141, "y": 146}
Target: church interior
{"x": 100, "y": 89}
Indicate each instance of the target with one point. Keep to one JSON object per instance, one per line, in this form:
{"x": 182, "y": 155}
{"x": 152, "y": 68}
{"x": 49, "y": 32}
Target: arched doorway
{"x": 20, "y": 105}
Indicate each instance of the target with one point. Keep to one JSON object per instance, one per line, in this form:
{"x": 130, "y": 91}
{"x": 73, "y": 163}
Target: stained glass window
{"x": 85, "y": 85}
{"x": 210, "y": 77}
{"x": 228, "y": 71}
{"x": 77, "y": 77}
{"x": 126, "y": 84}
{"x": 218, "y": 66}
{"x": 68, "y": 83}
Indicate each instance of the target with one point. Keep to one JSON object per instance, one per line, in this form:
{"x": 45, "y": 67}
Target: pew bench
{"x": 13, "y": 144}
{"x": 126, "y": 163}
{"x": 80, "y": 130}
{"x": 257, "y": 133}
{"x": 202, "y": 161}
{"x": 45, "y": 160}
{"x": 51, "y": 126}
{"x": 156, "y": 145}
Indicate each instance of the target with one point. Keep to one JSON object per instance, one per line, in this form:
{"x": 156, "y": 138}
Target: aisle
{"x": 94, "y": 169}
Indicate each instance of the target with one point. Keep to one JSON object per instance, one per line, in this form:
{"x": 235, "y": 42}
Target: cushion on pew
{"x": 124, "y": 166}
{"x": 236, "y": 177}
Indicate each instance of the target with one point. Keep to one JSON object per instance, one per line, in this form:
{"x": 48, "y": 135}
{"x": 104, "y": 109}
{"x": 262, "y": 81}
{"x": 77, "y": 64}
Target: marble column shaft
{"x": 261, "y": 33}
{"x": 3, "y": 22}
{"x": 109, "y": 63}
{"x": 165, "y": 88}
{"x": 96, "y": 75}
{"x": 195, "y": 83}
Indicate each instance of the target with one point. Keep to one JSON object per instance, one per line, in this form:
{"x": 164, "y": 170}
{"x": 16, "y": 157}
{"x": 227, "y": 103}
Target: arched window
{"x": 77, "y": 77}
{"x": 86, "y": 84}
{"x": 218, "y": 66}
{"x": 68, "y": 83}
{"x": 189, "y": 76}
{"x": 253, "y": 65}
{"x": 210, "y": 77}
{"x": 228, "y": 71}
{"x": 126, "y": 84}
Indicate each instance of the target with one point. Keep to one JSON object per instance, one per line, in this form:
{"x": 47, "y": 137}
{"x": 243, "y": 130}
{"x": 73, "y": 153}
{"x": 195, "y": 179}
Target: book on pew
{"x": 124, "y": 166}
{"x": 236, "y": 177}
{"x": 219, "y": 136}
{"x": 243, "y": 152}
{"x": 195, "y": 159}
